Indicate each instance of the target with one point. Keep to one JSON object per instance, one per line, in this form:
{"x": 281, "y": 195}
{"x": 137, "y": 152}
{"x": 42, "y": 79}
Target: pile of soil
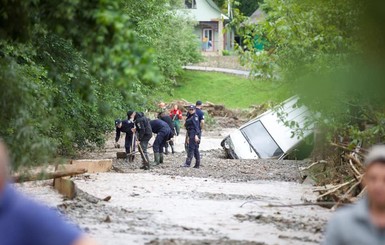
{"x": 225, "y": 117}
{"x": 214, "y": 165}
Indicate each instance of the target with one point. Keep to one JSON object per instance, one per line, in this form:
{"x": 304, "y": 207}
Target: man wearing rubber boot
{"x": 126, "y": 126}
{"x": 167, "y": 119}
{"x": 162, "y": 131}
{"x": 193, "y": 132}
{"x": 144, "y": 134}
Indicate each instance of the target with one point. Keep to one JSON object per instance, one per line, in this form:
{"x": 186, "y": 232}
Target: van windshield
{"x": 261, "y": 140}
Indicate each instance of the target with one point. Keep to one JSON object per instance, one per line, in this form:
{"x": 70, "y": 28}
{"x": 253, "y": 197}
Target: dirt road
{"x": 224, "y": 202}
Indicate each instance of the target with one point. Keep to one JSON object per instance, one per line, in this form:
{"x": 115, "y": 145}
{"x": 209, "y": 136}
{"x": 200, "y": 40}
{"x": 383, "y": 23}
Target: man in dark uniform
{"x": 126, "y": 126}
{"x": 201, "y": 115}
{"x": 193, "y": 133}
{"x": 201, "y": 118}
{"x": 162, "y": 131}
{"x": 144, "y": 134}
{"x": 164, "y": 116}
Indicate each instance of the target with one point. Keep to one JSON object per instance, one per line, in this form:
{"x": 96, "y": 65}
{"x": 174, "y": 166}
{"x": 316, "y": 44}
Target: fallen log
{"x": 45, "y": 176}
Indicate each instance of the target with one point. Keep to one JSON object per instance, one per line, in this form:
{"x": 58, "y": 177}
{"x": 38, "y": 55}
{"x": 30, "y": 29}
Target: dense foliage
{"x": 332, "y": 54}
{"x": 69, "y": 67}
{"x": 162, "y": 26}
{"x": 246, "y": 7}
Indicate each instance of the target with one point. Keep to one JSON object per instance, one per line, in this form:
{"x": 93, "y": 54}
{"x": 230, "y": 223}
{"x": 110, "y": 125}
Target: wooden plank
{"x": 91, "y": 165}
{"x": 66, "y": 187}
{"x": 44, "y": 176}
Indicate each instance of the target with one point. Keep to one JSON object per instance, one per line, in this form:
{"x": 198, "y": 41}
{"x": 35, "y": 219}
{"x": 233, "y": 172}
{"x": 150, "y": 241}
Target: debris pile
{"x": 341, "y": 183}
{"x": 218, "y": 110}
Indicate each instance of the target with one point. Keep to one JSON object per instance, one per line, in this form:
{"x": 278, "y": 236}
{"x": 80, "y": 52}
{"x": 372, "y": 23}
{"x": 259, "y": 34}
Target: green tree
{"x": 166, "y": 29}
{"x": 68, "y": 68}
{"x": 330, "y": 53}
{"x": 246, "y": 7}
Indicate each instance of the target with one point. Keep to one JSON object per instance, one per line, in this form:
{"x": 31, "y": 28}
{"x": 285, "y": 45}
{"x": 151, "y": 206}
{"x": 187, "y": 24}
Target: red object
{"x": 178, "y": 113}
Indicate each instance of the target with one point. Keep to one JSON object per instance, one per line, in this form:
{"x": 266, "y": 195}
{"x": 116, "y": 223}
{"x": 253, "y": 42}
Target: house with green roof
{"x": 210, "y": 25}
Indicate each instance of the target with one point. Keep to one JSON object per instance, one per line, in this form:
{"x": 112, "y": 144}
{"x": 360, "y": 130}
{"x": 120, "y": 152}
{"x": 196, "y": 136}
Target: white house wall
{"x": 204, "y": 12}
{"x": 207, "y": 15}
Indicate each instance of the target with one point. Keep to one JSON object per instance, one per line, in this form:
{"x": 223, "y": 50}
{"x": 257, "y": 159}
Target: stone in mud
{"x": 108, "y": 219}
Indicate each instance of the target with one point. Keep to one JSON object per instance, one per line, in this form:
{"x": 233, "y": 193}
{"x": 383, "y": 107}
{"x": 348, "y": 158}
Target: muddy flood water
{"x": 223, "y": 202}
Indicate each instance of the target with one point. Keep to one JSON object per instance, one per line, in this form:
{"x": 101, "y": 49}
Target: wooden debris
{"x": 348, "y": 177}
{"x": 91, "y": 165}
{"x": 45, "y": 176}
{"x": 66, "y": 187}
{"x": 312, "y": 165}
{"x": 219, "y": 110}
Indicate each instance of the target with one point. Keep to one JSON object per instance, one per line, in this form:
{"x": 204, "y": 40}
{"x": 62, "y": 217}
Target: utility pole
{"x": 229, "y": 11}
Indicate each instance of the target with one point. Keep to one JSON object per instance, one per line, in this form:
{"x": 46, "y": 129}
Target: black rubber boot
{"x": 156, "y": 158}
{"x": 161, "y": 158}
{"x": 197, "y": 164}
{"x": 172, "y": 149}
{"x": 166, "y": 150}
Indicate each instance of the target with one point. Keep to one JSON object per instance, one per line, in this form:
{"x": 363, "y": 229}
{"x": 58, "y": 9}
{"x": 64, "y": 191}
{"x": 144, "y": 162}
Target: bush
{"x": 225, "y": 52}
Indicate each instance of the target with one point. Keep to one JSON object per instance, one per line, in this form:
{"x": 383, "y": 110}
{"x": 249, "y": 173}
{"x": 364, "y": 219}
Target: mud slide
{"x": 224, "y": 202}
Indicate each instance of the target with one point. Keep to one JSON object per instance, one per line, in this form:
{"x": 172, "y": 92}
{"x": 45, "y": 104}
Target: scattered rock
{"x": 107, "y": 219}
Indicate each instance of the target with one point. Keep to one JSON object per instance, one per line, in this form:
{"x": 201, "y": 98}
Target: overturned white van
{"x": 270, "y": 135}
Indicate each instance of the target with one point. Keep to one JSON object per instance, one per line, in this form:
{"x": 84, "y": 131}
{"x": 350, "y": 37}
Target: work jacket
{"x": 352, "y": 225}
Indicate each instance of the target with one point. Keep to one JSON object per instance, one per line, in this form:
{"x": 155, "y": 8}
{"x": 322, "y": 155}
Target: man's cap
{"x": 198, "y": 103}
{"x": 191, "y": 107}
{"x": 129, "y": 113}
{"x": 375, "y": 154}
{"x": 117, "y": 121}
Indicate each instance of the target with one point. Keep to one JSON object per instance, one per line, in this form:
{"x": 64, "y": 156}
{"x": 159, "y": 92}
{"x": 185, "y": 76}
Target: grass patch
{"x": 230, "y": 90}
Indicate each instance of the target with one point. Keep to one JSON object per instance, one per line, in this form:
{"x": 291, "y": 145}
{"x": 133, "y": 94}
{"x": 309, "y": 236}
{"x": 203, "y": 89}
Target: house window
{"x": 190, "y": 4}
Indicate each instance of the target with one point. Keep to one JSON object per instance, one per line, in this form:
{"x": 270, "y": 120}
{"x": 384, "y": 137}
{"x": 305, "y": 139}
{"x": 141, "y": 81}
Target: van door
{"x": 261, "y": 141}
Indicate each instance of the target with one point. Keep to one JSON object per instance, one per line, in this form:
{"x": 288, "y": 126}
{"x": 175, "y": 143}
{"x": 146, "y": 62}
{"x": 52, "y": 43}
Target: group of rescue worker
{"x": 139, "y": 130}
